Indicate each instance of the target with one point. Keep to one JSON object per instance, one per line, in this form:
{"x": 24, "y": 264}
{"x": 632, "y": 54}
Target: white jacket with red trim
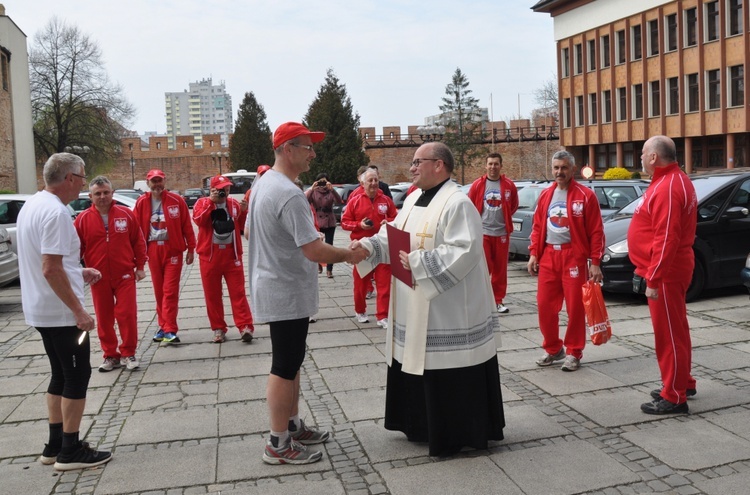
{"x": 584, "y": 217}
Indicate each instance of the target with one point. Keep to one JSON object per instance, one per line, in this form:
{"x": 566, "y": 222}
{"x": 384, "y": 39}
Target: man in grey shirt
{"x": 283, "y": 251}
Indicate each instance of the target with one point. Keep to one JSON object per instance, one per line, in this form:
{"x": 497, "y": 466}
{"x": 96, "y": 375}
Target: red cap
{"x": 291, "y": 130}
{"x": 262, "y": 169}
{"x": 155, "y": 173}
{"x": 220, "y": 182}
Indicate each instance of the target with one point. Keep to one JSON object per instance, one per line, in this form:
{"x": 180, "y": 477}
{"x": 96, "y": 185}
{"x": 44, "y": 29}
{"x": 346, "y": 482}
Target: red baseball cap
{"x": 262, "y": 169}
{"x": 291, "y": 130}
{"x": 220, "y": 182}
{"x": 155, "y": 173}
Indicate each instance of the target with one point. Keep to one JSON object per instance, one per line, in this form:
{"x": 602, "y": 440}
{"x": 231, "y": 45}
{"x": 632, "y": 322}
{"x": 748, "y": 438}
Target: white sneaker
{"x": 109, "y": 364}
{"x": 363, "y": 318}
{"x": 383, "y": 323}
{"x": 130, "y": 363}
{"x": 370, "y": 294}
{"x": 502, "y": 309}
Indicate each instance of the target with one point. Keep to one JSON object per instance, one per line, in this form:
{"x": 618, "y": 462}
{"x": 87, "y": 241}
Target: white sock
{"x": 279, "y": 438}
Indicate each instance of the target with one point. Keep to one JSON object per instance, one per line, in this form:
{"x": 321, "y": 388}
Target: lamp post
{"x": 218, "y": 155}
{"x": 431, "y": 132}
{"x": 132, "y": 168}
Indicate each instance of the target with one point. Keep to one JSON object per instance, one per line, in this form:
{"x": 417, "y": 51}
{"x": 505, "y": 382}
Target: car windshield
{"x": 528, "y": 196}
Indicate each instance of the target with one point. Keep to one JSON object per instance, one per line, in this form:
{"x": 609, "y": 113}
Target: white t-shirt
{"x": 45, "y": 227}
{"x": 558, "y": 227}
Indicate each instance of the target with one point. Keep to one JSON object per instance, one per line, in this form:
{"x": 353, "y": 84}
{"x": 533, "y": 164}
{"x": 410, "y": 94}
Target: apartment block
{"x": 202, "y": 109}
{"x": 631, "y": 69}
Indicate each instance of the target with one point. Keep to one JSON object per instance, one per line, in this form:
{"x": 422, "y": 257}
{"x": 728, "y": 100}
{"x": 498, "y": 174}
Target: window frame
{"x": 636, "y": 43}
{"x": 620, "y": 47}
{"x": 565, "y": 61}
{"x": 637, "y": 101}
{"x": 711, "y": 27}
{"x": 578, "y": 59}
{"x": 654, "y": 98}
{"x": 622, "y": 104}
{"x": 580, "y": 122}
{"x": 604, "y": 50}
{"x": 692, "y": 93}
{"x": 591, "y": 55}
{"x": 607, "y": 106}
{"x": 593, "y": 110}
{"x": 735, "y": 19}
{"x": 653, "y": 37}
{"x": 735, "y": 86}
{"x": 673, "y": 95}
{"x": 690, "y": 28}
{"x": 671, "y": 33}
{"x": 713, "y": 99}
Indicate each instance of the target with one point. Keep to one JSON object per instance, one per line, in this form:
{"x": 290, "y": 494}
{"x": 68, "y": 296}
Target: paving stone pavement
{"x": 192, "y": 420}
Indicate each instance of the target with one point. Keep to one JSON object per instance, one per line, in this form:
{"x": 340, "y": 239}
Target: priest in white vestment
{"x": 443, "y": 384}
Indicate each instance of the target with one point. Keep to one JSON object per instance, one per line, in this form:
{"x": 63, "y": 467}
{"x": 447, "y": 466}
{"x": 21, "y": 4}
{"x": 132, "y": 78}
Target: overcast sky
{"x": 395, "y": 58}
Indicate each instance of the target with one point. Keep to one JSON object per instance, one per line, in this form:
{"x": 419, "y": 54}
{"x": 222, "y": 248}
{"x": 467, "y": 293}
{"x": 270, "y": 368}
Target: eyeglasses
{"x": 78, "y": 175}
{"x": 419, "y": 161}
{"x": 308, "y": 147}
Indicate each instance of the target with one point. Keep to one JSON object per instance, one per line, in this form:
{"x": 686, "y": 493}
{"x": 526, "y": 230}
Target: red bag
{"x": 597, "y": 320}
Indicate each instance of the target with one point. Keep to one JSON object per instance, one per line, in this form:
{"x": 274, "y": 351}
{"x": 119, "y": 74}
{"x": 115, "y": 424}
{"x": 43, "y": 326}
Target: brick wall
{"x": 7, "y": 153}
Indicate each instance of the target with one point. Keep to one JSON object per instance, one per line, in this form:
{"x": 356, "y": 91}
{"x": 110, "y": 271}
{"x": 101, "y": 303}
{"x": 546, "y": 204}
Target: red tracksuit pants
{"x": 672, "y": 340}
{"x": 496, "y": 253}
{"x": 561, "y": 276}
{"x": 114, "y": 300}
{"x": 165, "y": 276}
{"x": 382, "y": 276}
{"x": 223, "y": 264}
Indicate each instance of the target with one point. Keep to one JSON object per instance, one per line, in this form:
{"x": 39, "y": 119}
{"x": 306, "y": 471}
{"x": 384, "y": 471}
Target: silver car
{"x": 8, "y": 259}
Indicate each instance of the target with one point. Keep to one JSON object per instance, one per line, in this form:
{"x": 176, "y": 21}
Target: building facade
{"x": 17, "y": 158}
{"x": 631, "y": 69}
{"x": 203, "y": 109}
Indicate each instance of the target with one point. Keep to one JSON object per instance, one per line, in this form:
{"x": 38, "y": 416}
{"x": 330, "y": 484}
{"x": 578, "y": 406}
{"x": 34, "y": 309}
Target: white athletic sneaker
{"x": 130, "y": 363}
{"x": 502, "y": 309}
{"x": 383, "y": 323}
{"x": 363, "y": 318}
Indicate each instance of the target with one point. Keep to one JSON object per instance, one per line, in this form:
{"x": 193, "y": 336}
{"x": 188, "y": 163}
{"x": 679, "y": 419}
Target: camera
{"x": 367, "y": 222}
{"x": 321, "y": 183}
{"x": 222, "y": 194}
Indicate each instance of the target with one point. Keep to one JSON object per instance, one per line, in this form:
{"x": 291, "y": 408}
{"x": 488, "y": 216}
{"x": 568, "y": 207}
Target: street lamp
{"x": 431, "y": 132}
{"x": 132, "y": 168}
{"x": 219, "y": 155}
{"x": 77, "y": 150}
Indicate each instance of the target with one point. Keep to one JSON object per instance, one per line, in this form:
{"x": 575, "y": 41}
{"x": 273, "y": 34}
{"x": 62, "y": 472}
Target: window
{"x": 671, "y": 38}
{"x": 620, "y": 49}
{"x": 578, "y": 58}
{"x": 565, "y": 61}
{"x": 606, "y": 106}
{"x": 635, "y": 47}
{"x": 673, "y": 97}
{"x": 622, "y": 104}
{"x": 736, "y": 86}
{"x": 579, "y": 110}
{"x": 712, "y": 20}
{"x": 4, "y": 71}
{"x": 713, "y": 89}
{"x": 692, "y": 94}
{"x": 592, "y": 109}
{"x": 734, "y": 17}
{"x": 637, "y": 101}
{"x": 592, "y": 55}
{"x": 604, "y": 47}
{"x": 655, "y": 99}
{"x": 691, "y": 27}
{"x": 566, "y": 112}
{"x": 653, "y": 37}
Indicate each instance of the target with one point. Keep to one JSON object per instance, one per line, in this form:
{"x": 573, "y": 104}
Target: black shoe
{"x": 81, "y": 458}
{"x": 656, "y": 394}
{"x": 49, "y": 455}
{"x": 664, "y": 407}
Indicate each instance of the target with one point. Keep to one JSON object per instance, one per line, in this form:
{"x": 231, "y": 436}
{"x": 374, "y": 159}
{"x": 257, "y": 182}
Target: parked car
{"x": 612, "y": 195}
{"x": 8, "y": 259}
{"x": 745, "y": 273}
{"x": 131, "y": 193}
{"x": 344, "y": 191}
{"x": 722, "y": 238}
{"x": 83, "y": 202}
{"x": 399, "y": 193}
{"x": 192, "y": 195}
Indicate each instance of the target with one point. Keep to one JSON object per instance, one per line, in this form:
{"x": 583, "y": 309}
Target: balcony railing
{"x": 489, "y": 136}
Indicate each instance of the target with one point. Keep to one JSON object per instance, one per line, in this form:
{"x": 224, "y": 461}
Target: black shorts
{"x": 69, "y": 360}
{"x": 288, "y": 340}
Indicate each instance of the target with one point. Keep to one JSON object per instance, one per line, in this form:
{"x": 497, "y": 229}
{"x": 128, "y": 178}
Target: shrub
{"x": 635, "y": 175}
{"x": 617, "y": 173}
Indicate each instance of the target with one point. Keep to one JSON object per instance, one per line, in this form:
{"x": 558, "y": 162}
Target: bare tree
{"x": 73, "y": 101}
{"x": 546, "y": 97}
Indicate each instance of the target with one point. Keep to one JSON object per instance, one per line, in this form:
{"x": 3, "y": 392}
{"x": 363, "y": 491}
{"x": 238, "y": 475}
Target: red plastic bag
{"x": 597, "y": 320}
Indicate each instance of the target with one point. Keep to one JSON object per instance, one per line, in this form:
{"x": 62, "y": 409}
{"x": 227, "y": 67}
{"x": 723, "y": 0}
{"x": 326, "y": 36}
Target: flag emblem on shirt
{"x": 174, "y": 211}
{"x": 577, "y": 207}
{"x": 121, "y": 225}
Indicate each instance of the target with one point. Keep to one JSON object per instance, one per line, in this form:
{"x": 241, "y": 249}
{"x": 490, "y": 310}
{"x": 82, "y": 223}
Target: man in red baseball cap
{"x": 220, "y": 219}
{"x": 164, "y": 219}
{"x": 291, "y": 130}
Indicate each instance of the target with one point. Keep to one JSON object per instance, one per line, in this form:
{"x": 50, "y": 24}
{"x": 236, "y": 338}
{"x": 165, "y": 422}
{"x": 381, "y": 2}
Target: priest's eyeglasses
{"x": 417, "y": 162}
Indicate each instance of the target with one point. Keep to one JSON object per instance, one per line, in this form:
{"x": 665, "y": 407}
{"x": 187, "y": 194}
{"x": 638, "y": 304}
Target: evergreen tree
{"x": 340, "y": 154}
{"x": 459, "y": 110}
{"x": 251, "y": 143}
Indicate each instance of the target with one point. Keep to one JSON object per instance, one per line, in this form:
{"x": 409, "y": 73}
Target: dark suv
{"x": 193, "y": 195}
{"x": 612, "y": 195}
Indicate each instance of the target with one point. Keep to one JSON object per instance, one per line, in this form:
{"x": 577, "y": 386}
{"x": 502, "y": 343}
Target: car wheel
{"x": 698, "y": 282}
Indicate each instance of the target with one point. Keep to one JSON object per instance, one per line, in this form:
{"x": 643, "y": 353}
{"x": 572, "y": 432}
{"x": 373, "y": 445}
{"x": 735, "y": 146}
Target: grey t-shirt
{"x": 283, "y": 283}
{"x": 558, "y": 228}
{"x": 493, "y": 220}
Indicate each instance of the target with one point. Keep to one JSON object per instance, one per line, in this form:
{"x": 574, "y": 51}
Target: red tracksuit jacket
{"x": 663, "y": 228}
{"x": 202, "y": 216}
{"x": 116, "y": 251}
{"x": 177, "y": 217}
{"x": 378, "y": 209}
{"x": 584, "y": 215}
{"x": 508, "y": 199}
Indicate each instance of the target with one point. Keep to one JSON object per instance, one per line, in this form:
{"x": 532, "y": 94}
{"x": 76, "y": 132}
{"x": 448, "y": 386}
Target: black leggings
{"x": 288, "y": 339}
{"x": 328, "y": 233}
{"x": 69, "y": 360}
